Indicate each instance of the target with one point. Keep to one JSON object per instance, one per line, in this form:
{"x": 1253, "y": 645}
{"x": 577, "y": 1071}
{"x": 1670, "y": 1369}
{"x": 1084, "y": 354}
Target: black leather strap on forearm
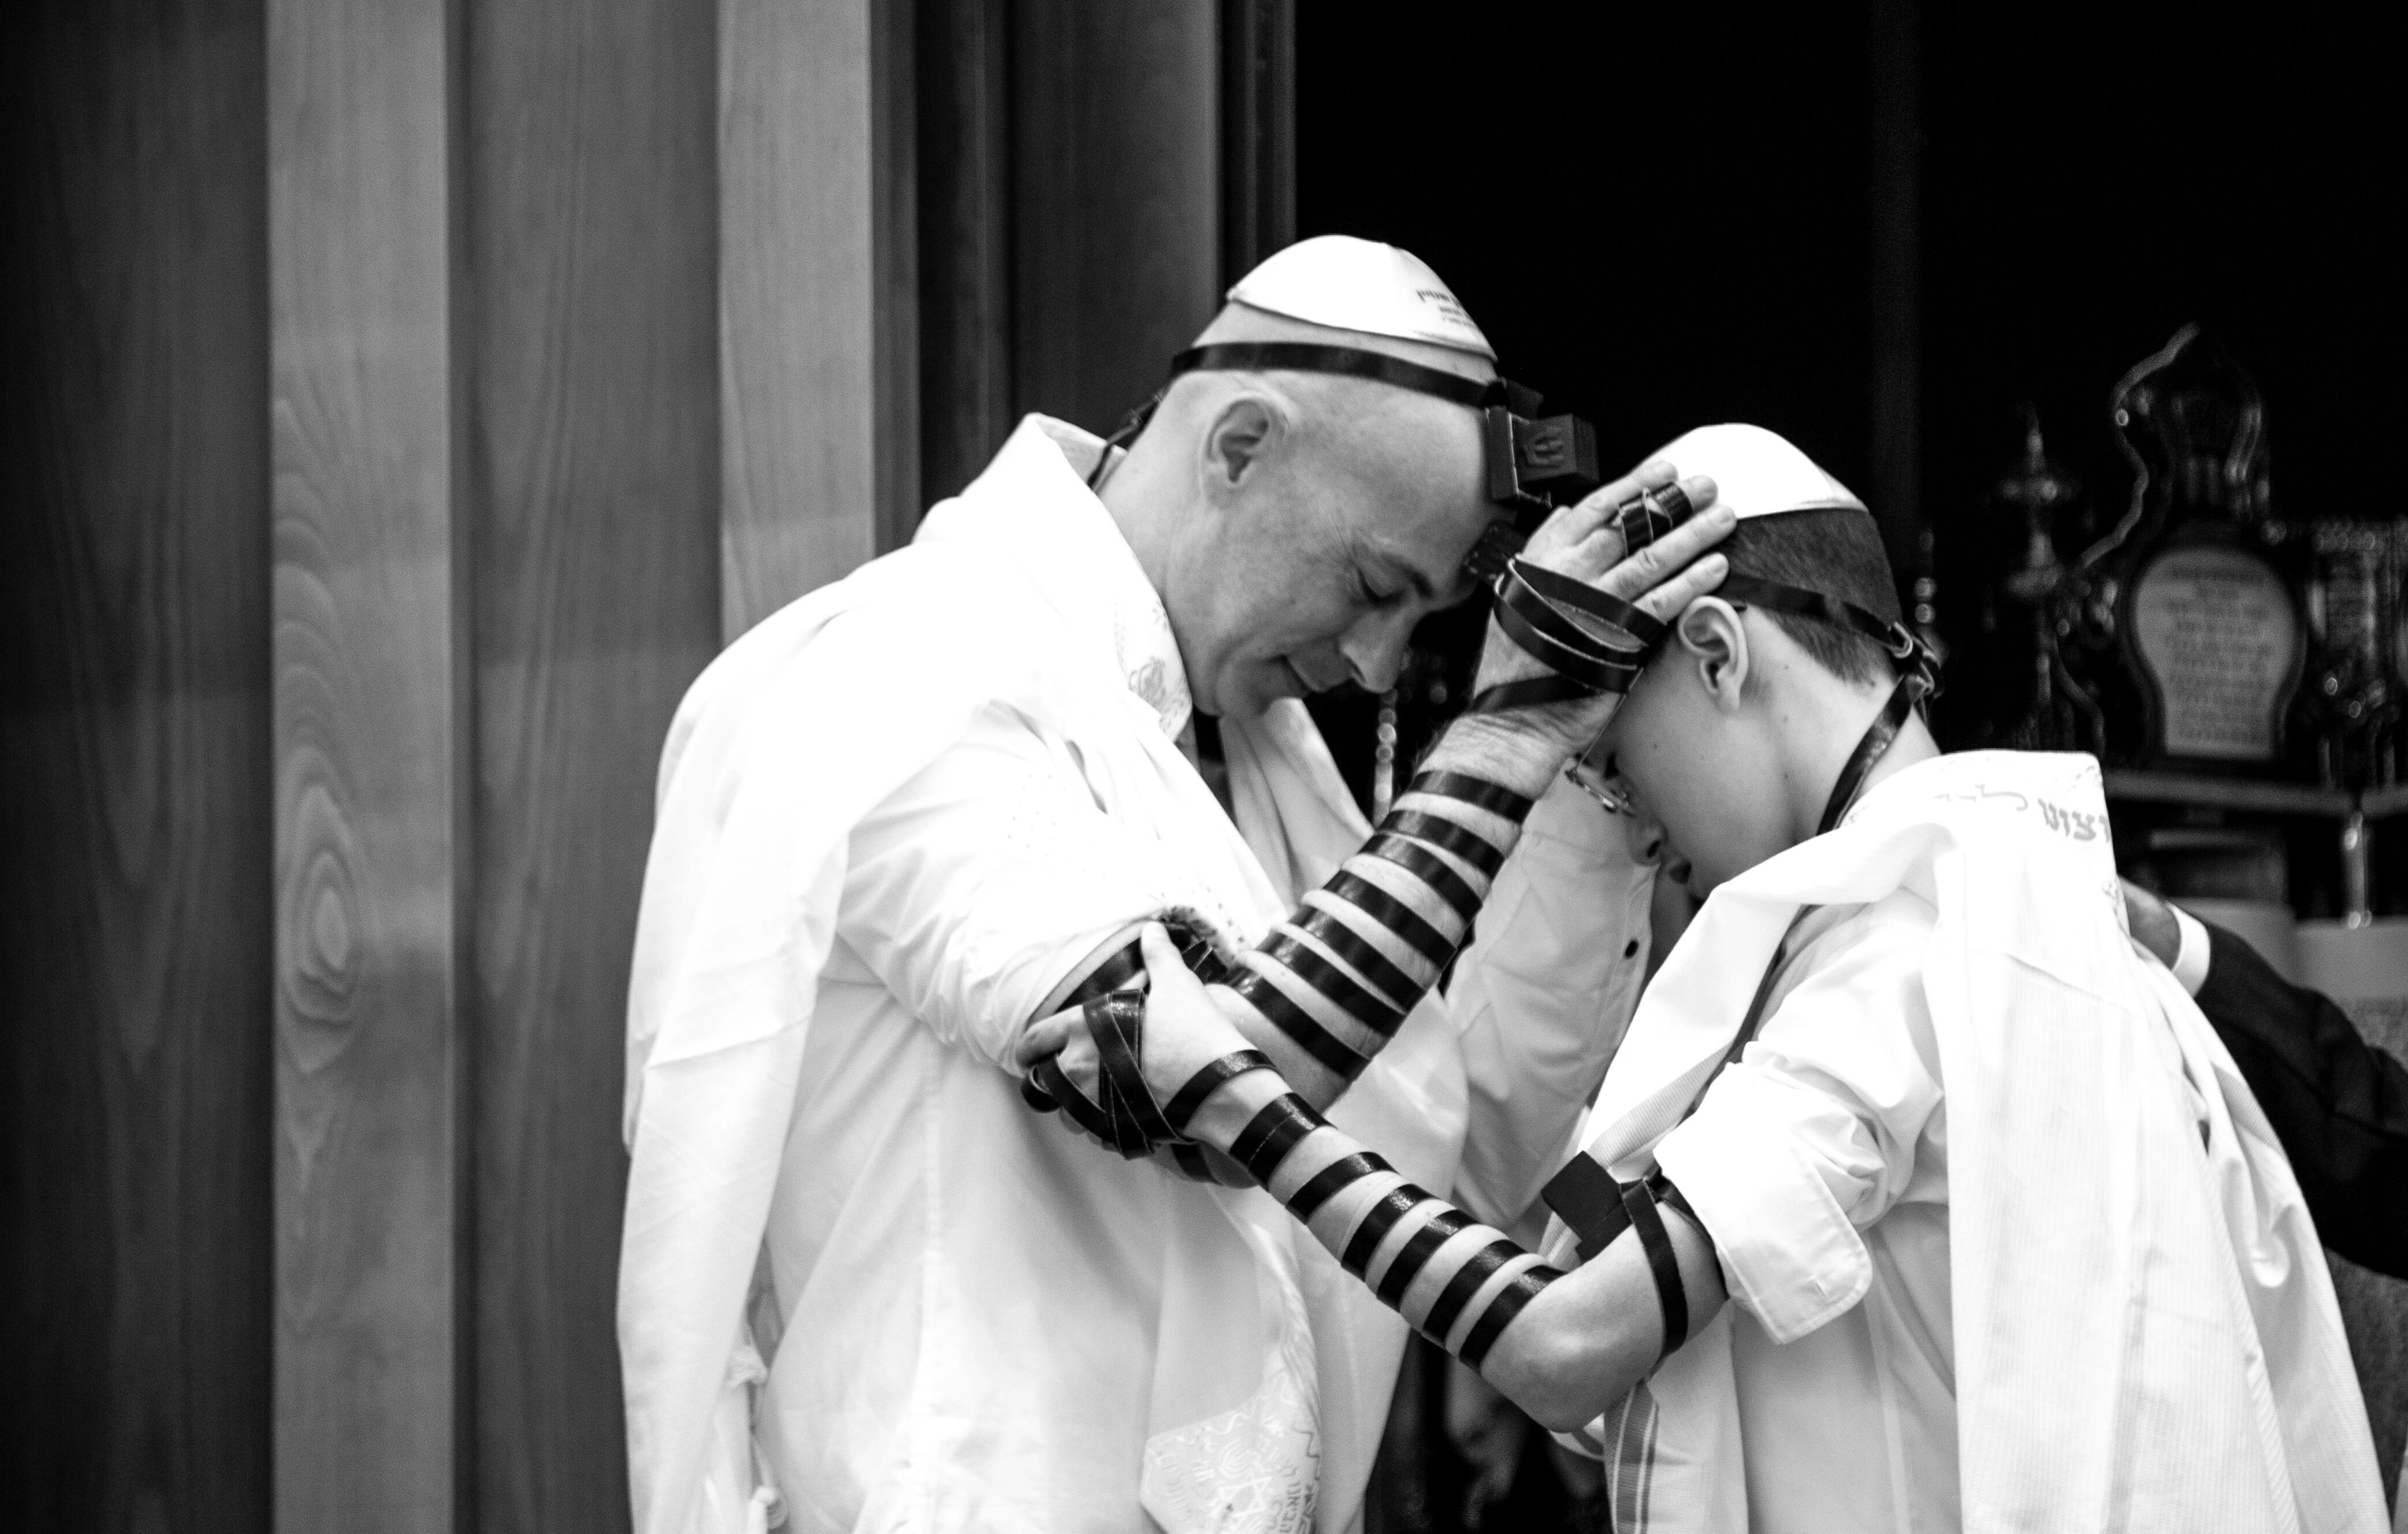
{"x": 1326, "y": 981}
{"x": 1444, "y": 838}
{"x": 1209, "y": 1080}
{"x": 1599, "y": 1210}
{"x": 1459, "y": 1282}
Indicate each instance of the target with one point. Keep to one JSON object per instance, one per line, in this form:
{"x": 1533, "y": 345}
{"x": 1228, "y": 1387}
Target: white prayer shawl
{"x": 2145, "y": 1335}
{"x": 771, "y": 761}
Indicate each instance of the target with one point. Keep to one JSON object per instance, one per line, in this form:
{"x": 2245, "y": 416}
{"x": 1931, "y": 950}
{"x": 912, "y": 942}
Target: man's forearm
{"x": 1323, "y": 992}
{"x": 1501, "y": 751}
{"x": 1385, "y": 923}
{"x": 1327, "y": 990}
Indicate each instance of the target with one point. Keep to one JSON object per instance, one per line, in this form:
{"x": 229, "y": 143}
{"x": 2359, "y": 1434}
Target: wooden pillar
{"x": 371, "y": 745}
{"x": 818, "y": 296}
{"x": 134, "y": 888}
{"x": 1116, "y": 165}
{"x": 592, "y": 371}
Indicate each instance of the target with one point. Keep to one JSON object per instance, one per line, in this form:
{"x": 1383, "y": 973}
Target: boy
{"x": 2006, "y": 1243}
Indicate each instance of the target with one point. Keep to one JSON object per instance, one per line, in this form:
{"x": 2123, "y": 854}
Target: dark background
{"x": 1656, "y": 213}
{"x": 1665, "y": 216}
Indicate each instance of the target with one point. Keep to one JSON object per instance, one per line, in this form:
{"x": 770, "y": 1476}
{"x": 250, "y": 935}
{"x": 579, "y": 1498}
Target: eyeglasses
{"x": 1594, "y": 773}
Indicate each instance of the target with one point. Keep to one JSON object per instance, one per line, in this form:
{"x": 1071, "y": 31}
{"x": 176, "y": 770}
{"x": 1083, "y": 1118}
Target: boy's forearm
{"x": 1599, "y": 1330}
{"x": 1563, "y": 1347}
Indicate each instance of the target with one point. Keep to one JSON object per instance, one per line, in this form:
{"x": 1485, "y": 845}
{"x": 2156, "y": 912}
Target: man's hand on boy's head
{"x": 1584, "y": 542}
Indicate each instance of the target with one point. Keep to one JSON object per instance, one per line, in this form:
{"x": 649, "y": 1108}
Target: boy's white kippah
{"x": 1361, "y": 285}
{"x": 1757, "y": 473}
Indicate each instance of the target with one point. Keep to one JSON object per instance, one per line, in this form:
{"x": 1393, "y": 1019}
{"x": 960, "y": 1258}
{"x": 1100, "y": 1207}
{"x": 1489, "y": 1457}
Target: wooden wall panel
{"x": 369, "y": 737}
{"x": 409, "y": 395}
{"x": 1116, "y": 198}
{"x": 818, "y": 298}
{"x": 134, "y": 959}
{"x": 592, "y": 244}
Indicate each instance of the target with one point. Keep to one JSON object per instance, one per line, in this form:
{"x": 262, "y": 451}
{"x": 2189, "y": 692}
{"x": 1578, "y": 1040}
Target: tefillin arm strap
{"x": 1337, "y": 977}
{"x": 1455, "y": 1281}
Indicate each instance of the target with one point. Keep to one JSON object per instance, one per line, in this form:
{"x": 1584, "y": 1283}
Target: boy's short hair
{"x": 1833, "y": 550}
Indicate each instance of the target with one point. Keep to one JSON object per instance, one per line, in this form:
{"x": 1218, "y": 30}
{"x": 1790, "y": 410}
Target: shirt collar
{"x": 1033, "y": 496}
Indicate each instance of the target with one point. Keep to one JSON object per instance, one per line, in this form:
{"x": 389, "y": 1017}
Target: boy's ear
{"x": 1715, "y": 641}
{"x": 1245, "y": 428}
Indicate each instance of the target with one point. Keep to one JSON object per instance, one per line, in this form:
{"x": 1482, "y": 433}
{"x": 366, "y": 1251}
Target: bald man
{"x": 862, "y": 1285}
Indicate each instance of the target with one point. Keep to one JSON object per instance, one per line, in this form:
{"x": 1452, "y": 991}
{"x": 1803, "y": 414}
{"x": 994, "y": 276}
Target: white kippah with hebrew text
{"x": 1757, "y": 473}
{"x": 1361, "y": 285}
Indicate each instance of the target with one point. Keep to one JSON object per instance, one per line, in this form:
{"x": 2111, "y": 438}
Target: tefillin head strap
{"x": 1356, "y": 362}
{"x": 1531, "y": 462}
{"x": 1918, "y": 671}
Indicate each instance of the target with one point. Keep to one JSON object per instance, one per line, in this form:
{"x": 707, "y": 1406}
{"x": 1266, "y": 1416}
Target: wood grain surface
{"x": 135, "y": 955}
{"x": 369, "y": 736}
{"x": 592, "y": 244}
{"x": 1116, "y": 200}
{"x": 817, "y": 354}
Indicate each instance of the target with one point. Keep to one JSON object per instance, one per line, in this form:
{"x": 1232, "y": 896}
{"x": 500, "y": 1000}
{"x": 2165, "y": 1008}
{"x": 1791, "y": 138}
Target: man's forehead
{"x": 1434, "y": 574}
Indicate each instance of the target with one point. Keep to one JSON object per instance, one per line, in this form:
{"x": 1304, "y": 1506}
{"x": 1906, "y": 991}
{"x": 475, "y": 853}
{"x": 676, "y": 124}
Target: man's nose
{"x": 1375, "y": 650}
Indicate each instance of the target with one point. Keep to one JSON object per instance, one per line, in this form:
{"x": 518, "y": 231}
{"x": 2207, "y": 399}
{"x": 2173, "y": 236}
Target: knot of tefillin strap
{"x": 1124, "y": 1114}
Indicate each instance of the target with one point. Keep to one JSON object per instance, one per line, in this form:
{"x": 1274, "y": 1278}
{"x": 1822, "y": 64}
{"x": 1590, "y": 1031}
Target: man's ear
{"x": 1245, "y": 428}
{"x": 1715, "y": 641}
